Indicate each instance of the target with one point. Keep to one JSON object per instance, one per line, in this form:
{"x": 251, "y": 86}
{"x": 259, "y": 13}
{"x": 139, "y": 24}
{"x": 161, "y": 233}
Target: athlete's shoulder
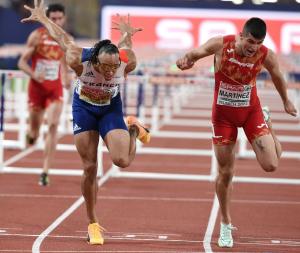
{"x": 86, "y": 54}
{"x": 229, "y": 38}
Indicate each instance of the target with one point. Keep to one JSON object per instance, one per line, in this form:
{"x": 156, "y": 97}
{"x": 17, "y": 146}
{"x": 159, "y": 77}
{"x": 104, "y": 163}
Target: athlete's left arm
{"x": 272, "y": 65}
{"x": 125, "y": 42}
{"x": 65, "y": 76}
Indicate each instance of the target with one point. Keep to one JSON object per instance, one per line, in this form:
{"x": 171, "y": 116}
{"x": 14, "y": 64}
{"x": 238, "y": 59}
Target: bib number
{"x": 95, "y": 96}
{"x": 234, "y": 95}
{"x": 50, "y": 69}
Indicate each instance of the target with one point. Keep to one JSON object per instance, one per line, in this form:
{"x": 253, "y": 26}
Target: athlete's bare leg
{"x": 36, "y": 116}
{"x": 225, "y": 155}
{"x": 53, "y": 115}
{"x": 267, "y": 152}
{"x": 122, "y": 145}
{"x": 87, "y": 145}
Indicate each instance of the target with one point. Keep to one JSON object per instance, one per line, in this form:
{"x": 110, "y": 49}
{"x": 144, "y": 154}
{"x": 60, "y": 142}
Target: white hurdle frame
{"x": 179, "y": 95}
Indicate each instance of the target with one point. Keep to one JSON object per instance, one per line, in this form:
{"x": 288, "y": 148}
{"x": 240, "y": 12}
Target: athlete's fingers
{"x": 138, "y": 29}
{"x": 24, "y": 20}
{"x": 121, "y": 18}
{"x": 27, "y": 8}
{"x": 42, "y": 3}
{"x": 128, "y": 19}
{"x": 36, "y": 3}
{"x": 115, "y": 23}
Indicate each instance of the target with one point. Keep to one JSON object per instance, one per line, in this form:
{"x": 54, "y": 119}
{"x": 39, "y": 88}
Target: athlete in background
{"x": 48, "y": 73}
{"x": 238, "y": 59}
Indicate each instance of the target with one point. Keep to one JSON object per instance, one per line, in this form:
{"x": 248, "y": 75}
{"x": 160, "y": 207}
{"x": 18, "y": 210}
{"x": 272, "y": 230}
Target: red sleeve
{"x": 123, "y": 55}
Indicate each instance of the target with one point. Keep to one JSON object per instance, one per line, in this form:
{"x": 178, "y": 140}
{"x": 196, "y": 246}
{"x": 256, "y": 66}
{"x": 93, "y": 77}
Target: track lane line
{"x": 37, "y": 243}
{"x": 211, "y": 224}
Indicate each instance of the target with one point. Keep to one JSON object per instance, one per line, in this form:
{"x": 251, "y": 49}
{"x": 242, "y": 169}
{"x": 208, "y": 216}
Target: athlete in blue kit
{"x": 97, "y": 105}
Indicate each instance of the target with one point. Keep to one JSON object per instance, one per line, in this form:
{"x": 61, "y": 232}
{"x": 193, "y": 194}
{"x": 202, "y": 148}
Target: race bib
{"x": 234, "y": 95}
{"x": 50, "y": 69}
{"x": 96, "y": 96}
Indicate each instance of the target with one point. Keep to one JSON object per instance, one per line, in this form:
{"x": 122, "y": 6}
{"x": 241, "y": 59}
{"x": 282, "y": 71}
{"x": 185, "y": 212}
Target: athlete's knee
{"x": 90, "y": 170}
{"x": 270, "y": 167}
{"x": 52, "y": 128}
{"x": 225, "y": 176}
{"x": 121, "y": 162}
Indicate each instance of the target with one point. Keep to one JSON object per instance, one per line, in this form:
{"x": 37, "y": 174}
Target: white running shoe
{"x": 266, "y": 113}
{"x": 225, "y": 239}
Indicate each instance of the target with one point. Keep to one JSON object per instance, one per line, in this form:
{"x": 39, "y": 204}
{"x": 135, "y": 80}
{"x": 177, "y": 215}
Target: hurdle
{"x": 2, "y": 77}
{"x": 180, "y": 95}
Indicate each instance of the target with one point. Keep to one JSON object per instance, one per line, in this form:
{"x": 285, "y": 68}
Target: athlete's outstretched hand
{"x": 37, "y": 13}
{"x": 290, "y": 108}
{"x": 184, "y": 63}
{"x": 124, "y": 26}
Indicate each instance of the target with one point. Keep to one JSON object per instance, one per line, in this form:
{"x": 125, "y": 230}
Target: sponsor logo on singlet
{"x": 241, "y": 64}
{"x": 231, "y": 50}
{"x": 234, "y": 95}
{"x": 89, "y": 74}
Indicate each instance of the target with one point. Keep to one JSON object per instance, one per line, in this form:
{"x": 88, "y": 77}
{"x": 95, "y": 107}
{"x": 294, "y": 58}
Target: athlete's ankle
{"x": 134, "y": 131}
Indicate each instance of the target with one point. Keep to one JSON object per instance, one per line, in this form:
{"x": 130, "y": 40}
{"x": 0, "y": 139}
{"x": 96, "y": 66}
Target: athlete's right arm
{"x": 31, "y": 44}
{"x": 212, "y": 46}
{"x": 67, "y": 44}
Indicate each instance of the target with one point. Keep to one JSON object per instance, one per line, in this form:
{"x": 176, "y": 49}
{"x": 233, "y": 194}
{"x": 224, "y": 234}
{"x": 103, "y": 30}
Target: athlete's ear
{"x": 241, "y": 35}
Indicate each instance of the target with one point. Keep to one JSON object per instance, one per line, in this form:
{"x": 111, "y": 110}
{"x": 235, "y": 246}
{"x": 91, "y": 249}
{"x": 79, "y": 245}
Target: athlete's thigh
{"x": 225, "y": 155}
{"x": 117, "y": 142}
{"x": 86, "y": 144}
{"x": 36, "y": 116}
{"x": 54, "y": 110}
{"x": 265, "y": 150}
{"x": 114, "y": 132}
{"x": 83, "y": 119}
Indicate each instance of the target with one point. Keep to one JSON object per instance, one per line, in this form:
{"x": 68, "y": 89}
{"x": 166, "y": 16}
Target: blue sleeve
{"x": 86, "y": 54}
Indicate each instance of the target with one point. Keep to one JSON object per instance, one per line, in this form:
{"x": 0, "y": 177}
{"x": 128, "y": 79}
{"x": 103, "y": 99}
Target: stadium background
{"x": 175, "y": 210}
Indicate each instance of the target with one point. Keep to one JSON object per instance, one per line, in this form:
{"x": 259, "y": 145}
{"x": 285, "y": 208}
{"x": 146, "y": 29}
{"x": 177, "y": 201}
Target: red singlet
{"x": 46, "y": 58}
{"x": 236, "y": 103}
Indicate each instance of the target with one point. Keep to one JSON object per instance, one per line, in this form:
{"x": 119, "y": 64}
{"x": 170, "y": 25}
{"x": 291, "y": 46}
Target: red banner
{"x": 171, "y": 28}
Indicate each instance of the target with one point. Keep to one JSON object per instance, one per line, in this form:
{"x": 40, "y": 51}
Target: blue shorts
{"x": 87, "y": 117}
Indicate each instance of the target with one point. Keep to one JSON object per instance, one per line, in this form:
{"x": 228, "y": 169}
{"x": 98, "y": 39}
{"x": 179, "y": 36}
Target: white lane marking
{"x": 208, "y": 200}
{"x": 68, "y": 212}
{"x": 211, "y": 225}
{"x": 19, "y": 156}
{"x": 275, "y": 241}
{"x": 102, "y": 251}
{"x": 130, "y": 238}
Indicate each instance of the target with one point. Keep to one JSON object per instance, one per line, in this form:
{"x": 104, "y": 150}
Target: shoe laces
{"x": 96, "y": 229}
{"x": 226, "y": 231}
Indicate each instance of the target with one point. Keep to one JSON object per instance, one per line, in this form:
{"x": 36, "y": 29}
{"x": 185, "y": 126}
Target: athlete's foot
{"x": 30, "y": 140}
{"x": 143, "y": 133}
{"x": 225, "y": 240}
{"x": 95, "y": 236}
{"x": 44, "y": 179}
{"x": 267, "y": 116}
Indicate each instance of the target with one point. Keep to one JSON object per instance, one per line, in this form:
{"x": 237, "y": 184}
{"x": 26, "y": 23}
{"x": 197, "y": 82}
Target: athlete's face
{"x": 108, "y": 65}
{"x": 57, "y": 17}
{"x": 249, "y": 44}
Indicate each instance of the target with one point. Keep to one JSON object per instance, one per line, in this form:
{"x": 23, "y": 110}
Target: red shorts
{"x": 226, "y": 121}
{"x": 40, "y": 95}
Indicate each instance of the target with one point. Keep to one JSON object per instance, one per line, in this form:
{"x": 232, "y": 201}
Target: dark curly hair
{"x": 100, "y": 47}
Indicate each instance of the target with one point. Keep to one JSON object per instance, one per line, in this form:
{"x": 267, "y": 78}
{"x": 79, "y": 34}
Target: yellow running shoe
{"x": 95, "y": 234}
{"x": 144, "y": 133}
